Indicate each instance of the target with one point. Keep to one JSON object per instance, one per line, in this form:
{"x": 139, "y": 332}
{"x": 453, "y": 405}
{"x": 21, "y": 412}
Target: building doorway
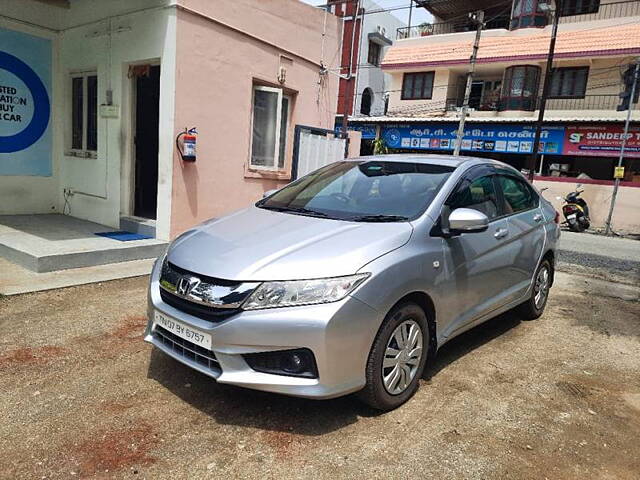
{"x": 147, "y": 108}
{"x": 475, "y": 96}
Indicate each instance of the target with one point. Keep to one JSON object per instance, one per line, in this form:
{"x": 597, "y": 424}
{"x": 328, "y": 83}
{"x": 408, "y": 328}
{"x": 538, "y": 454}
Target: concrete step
{"x": 143, "y": 226}
{"x": 47, "y": 243}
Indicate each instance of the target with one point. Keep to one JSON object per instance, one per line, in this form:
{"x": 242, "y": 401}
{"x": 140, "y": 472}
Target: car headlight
{"x": 302, "y": 292}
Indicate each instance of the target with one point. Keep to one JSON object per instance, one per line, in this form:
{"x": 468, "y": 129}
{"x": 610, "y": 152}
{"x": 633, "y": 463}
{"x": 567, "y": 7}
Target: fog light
{"x": 294, "y": 363}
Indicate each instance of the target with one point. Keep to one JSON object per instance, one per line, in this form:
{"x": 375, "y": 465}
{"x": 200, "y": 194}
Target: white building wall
{"x": 368, "y": 76}
{"x": 143, "y": 31}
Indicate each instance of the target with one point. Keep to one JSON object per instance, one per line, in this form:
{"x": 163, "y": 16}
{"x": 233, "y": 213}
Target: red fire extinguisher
{"x": 188, "y": 150}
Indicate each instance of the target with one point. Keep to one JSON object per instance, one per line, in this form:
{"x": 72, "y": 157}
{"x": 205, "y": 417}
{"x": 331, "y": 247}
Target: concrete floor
{"x": 15, "y": 279}
{"x": 46, "y": 243}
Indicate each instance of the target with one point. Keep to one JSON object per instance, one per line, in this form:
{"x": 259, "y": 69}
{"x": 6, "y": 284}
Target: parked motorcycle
{"x": 576, "y": 211}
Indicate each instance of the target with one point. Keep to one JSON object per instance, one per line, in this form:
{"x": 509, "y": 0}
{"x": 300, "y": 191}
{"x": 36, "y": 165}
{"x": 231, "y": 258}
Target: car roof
{"x": 430, "y": 159}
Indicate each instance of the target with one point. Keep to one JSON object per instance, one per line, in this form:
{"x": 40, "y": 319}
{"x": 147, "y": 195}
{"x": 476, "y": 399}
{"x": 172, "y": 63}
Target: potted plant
{"x": 425, "y": 29}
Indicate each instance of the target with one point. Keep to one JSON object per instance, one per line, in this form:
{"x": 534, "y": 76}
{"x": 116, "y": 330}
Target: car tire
{"x": 376, "y": 392}
{"x": 534, "y": 306}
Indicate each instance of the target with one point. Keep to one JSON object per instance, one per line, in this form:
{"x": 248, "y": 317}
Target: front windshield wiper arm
{"x": 379, "y": 218}
{"x": 298, "y": 210}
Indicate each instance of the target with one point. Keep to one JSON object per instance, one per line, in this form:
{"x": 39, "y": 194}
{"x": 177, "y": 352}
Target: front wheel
{"x": 397, "y": 358}
{"x": 534, "y": 307}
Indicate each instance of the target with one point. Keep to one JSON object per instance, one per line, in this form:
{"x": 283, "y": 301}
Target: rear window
{"x": 518, "y": 196}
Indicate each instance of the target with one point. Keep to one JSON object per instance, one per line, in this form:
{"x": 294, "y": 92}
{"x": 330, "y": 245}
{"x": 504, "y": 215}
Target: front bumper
{"x": 339, "y": 334}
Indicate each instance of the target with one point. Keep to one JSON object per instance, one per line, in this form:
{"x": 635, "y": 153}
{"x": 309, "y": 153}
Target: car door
{"x": 525, "y": 218}
{"x": 476, "y": 264}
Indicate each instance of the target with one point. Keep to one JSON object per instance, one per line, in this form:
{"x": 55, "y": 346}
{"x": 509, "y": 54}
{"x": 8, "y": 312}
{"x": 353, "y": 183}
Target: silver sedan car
{"x": 350, "y": 278}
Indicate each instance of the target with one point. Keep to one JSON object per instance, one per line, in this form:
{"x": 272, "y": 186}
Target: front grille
{"x": 203, "y": 312}
{"x": 186, "y": 349}
{"x": 208, "y": 298}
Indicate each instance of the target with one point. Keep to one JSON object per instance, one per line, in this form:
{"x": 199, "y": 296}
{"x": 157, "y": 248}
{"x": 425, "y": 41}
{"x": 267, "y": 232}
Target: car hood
{"x": 257, "y": 244}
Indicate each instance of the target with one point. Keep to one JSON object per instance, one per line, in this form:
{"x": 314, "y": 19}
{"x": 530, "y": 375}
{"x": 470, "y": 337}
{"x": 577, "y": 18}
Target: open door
{"x": 146, "y": 144}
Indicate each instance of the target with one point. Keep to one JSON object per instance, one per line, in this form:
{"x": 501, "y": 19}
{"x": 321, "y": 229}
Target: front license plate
{"x": 185, "y": 332}
{"x": 571, "y": 217}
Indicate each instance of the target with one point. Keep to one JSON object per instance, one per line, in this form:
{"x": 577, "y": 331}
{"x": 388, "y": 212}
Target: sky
{"x": 418, "y": 15}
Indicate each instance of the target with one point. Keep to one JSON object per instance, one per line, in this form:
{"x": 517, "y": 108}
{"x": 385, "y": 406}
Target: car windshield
{"x": 373, "y": 191}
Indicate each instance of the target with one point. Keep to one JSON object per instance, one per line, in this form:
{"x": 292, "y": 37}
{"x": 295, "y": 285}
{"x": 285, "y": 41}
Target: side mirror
{"x": 268, "y": 193}
{"x": 467, "y": 220}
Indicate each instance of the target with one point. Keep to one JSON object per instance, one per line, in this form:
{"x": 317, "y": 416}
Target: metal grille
{"x": 187, "y": 349}
{"x": 205, "y": 313}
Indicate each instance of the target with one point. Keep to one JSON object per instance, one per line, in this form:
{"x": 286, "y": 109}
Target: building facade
{"x": 95, "y": 96}
{"x": 369, "y": 32}
{"x": 597, "y": 46}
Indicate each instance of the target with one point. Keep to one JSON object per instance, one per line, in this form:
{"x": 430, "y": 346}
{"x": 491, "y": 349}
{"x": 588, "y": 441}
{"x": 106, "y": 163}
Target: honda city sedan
{"x": 352, "y": 277}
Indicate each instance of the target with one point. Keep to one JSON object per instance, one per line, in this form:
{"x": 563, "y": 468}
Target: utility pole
{"x": 410, "y": 11}
{"x": 478, "y": 19}
{"x": 634, "y": 86}
{"x": 531, "y": 166}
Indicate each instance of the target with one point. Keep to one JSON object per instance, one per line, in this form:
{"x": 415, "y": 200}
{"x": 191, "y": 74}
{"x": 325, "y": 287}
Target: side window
{"x": 478, "y": 194}
{"x": 518, "y": 196}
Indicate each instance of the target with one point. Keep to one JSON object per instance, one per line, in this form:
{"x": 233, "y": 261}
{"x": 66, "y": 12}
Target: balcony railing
{"x": 626, "y": 8}
{"x": 589, "y": 102}
{"x": 429, "y": 29}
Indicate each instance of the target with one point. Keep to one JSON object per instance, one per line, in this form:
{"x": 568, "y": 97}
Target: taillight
{"x": 557, "y": 217}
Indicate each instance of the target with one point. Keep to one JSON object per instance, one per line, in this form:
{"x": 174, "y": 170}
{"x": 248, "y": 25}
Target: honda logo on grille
{"x": 186, "y": 284}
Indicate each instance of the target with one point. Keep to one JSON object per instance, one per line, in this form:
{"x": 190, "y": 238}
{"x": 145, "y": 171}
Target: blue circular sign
{"x": 41, "y": 107}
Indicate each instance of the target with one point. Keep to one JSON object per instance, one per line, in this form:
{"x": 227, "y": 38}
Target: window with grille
{"x": 84, "y": 114}
{"x": 520, "y": 87}
{"x": 579, "y": 7}
{"x": 270, "y": 125}
{"x": 373, "y": 56}
{"x": 417, "y": 86}
{"x": 569, "y": 82}
{"x": 527, "y": 13}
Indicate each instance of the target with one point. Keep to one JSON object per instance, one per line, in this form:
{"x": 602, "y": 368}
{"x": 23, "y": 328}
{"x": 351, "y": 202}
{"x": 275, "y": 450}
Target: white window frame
{"x": 84, "y": 151}
{"x": 279, "y": 125}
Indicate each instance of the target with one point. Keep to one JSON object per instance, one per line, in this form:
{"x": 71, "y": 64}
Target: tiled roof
{"x": 532, "y": 44}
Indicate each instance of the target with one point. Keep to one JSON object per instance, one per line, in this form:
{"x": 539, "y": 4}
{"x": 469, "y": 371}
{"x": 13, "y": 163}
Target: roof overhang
{"x": 378, "y": 38}
{"x": 448, "y": 9}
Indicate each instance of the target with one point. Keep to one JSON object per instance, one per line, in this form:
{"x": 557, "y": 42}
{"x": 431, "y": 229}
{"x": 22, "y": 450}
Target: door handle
{"x": 501, "y": 233}
{"x": 538, "y": 217}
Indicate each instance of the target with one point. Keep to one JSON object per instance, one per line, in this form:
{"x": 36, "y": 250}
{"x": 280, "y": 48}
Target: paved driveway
{"x": 82, "y": 396}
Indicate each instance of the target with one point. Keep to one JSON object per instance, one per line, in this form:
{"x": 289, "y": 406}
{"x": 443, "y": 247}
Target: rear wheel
{"x": 397, "y": 358}
{"x": 575, "y": 226}
{"x": 534, "y": 307}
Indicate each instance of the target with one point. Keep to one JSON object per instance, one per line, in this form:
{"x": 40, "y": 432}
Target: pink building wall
{"x": 223, "y": 48}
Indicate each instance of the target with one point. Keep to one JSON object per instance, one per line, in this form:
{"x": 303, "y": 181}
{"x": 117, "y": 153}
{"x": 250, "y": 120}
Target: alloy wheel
{"x": 541, "y": 287}
{"x": 402, "y": 357}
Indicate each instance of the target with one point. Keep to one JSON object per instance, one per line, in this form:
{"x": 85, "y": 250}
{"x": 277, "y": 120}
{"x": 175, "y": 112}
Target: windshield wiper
{"x": 297, "y": 210}
{"x": 378, "y": 218}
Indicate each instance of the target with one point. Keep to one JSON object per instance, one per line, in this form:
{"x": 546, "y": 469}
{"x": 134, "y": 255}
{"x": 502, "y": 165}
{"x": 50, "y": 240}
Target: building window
{"x": 417, "y": 86}
{"x": 270, "y": 126}
{"x": 579, "y": 7}
{"x": 569, "y": 82}
{"x": 527, "y": 13}
{"x": 374, "y": 53}
{"x": 84, "y": 113}
{"x": 520, "y": 88}
{"x": 366, "y": 101}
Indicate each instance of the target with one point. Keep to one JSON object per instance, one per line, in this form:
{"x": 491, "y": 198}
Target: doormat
{"x": 123, "y": 236}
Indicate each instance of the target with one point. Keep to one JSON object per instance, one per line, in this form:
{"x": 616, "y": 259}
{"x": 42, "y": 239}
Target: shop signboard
{"x": 25, "y": 106}
{"x": 601, "y": 141}
{"x": 498, "y": 138}
{"x": 368, "y": 130}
